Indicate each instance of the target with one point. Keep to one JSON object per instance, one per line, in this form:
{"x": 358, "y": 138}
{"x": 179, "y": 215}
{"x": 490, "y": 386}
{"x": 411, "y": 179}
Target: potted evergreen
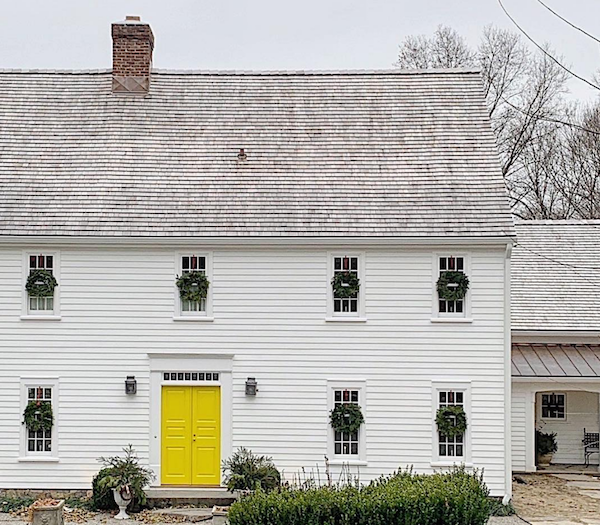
{"x": 545, "y": 447}
{"x": 126, "y": 478}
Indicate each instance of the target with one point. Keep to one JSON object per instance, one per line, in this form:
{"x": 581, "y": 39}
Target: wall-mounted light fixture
{"x": 251, "y": 386}
{"x": 130, "y": 385}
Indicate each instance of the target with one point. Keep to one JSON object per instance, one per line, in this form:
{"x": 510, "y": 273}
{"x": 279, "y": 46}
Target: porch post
{"x": 599, "y": 429}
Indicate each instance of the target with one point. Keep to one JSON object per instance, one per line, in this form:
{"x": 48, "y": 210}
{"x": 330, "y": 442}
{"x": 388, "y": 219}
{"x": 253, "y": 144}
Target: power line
{"x": 541, "y": 48}
{"x": 568, "y": 22}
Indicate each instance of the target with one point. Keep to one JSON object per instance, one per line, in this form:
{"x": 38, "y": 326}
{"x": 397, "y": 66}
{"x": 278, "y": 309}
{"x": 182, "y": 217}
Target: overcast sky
{"x": 277, "y": 34}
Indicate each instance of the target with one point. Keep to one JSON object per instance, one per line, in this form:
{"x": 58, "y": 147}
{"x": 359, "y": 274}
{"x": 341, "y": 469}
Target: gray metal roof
{"x": 328, "y": 153}
{"x": 555, "y": 360}
{"x": 556, "y": 276}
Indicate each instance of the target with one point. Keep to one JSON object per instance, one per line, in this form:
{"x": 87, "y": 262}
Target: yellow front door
{"x": 191, "y": 435}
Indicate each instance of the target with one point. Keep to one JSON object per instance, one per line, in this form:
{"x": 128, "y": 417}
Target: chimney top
{"x": 133, "y": 43}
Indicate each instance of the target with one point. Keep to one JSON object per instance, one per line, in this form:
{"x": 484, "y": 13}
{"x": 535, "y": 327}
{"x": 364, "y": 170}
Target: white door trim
{"x": 159, "y": 363}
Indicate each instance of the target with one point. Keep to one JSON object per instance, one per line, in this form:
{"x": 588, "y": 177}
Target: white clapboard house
{"x": 114, "y": 183}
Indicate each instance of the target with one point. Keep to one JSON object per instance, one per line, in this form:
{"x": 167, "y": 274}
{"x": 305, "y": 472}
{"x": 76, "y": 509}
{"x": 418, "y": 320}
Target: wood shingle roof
{"x": 408, "y": 154}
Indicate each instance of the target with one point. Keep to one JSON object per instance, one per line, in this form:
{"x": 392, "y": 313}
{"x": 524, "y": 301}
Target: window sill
{"x": 345, "y": 319}
{"x": 41, "y": 318}
{"x": 451, "y": 320}
{"x": 456, "y": 463}
{"x": 40, "y": 459}
{"x": 351, "y": 462}
{"x": 193, "y": 319}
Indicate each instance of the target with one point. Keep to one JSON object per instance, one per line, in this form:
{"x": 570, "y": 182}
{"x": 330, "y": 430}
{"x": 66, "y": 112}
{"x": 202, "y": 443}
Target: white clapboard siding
{"x": 269, "y": 308}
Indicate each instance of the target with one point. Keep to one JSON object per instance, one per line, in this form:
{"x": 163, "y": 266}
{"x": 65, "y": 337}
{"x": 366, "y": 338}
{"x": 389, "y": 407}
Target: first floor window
{"x": 193, "y": 263}
{"x": 451, "y": 446}
{"x": 343, "y": 305}
{"x": 41, "y": 304}
{"x": 553, "y": 406}
{"x": 40, "y": 440}
{"x": 454, "y": 264}
{"x": 345, "y": 443}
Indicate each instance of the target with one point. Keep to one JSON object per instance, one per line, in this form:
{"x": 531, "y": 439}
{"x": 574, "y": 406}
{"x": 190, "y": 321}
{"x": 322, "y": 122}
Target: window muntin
{"x": 348, "y": 305}
{"x": 193, "y": 263}
{"x": 455, "y": 264}
{"x": 41, "y": 304}
{"x": 190, "y": 376}
{"x": 451, "y": 447}
{"x": 345, "y": 443}
{"x": 554, "y": 406}
{"x": 40, "y": 441}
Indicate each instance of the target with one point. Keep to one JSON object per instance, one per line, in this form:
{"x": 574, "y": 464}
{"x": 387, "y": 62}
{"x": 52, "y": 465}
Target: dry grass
{"x": 547, "y": 496}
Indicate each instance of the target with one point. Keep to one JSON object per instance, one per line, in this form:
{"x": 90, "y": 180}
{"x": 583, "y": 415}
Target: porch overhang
{"x": 539, "y": 360}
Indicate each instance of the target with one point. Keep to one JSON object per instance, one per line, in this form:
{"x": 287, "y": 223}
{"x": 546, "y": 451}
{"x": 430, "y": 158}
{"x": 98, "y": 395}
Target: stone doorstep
{"x": 590, "y": 493}
{"x": 191, "y": 515}
{"x": 587, "y": 485}
{"x": 577, "y": 477}
{"x": 168, "y": 496}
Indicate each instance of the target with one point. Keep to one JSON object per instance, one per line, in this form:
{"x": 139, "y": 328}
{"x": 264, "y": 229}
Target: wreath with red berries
{"x": 38, "y": 416}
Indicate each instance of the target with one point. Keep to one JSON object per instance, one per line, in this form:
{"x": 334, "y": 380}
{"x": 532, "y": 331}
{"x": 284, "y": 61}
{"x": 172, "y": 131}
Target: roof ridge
{"x": 242, "y": 72}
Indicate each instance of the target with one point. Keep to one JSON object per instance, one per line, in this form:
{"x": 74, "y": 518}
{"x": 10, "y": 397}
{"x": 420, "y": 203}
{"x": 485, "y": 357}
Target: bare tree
{"x": 524, "y": 92}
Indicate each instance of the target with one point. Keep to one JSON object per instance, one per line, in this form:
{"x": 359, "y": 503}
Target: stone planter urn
{"x": 123, "y": 497}
{"x": 48, "y": 514}
{"x": 544, "y": 460}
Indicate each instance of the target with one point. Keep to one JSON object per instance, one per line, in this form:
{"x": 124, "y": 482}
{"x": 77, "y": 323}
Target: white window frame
{"x": 359, "y": 316}
{"x": 44, "y": 315}
{"x": 553, "y": 419}
{"x": 436, "y": 315}
{"x": 457, "y": 386}
{"x": 207, "y": 314}
{"x": 44, "y": 382}
{"x": 348, "y": 459}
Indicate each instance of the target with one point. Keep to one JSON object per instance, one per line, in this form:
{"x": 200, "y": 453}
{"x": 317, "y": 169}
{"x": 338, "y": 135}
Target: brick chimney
{"x": 133, "y": 43}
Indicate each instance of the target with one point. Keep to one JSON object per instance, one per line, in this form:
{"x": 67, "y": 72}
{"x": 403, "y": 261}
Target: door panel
{"x": 176, "y": 435}
{"x": 191, "y": 435}
{"x": 206, "y": 435}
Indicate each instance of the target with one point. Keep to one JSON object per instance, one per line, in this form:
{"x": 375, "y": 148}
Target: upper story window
{"x": 554, "y": 406}
{"x": 198, "y": 306}
{"x": 346, "y": 286}
{"x": 40, "y": 284}
{"x": 193, "y": 263}
{"x": 454, "y": 307}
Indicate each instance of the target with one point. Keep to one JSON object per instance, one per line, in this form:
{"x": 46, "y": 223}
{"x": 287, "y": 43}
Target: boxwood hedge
{"x": 405, "y": 498}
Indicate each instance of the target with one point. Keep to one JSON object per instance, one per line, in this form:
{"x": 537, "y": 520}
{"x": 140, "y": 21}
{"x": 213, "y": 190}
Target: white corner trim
{"x": 41, "y": 317}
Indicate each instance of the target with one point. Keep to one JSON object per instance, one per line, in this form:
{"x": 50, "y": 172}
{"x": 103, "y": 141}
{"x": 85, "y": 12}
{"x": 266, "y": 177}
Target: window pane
{"x": 32, "y": 262}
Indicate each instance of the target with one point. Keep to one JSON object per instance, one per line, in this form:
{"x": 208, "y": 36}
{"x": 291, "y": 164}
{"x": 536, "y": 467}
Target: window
{"x": 346, "y": 306}
{"x": 40, "y": 305}
{"x": 345, "y": 447}
{"x": 194, "y": 310}
{"x": 455, "y": 446}
{"x": 190, "y": 376}
{"x": 454, "y": 264}
{"x": 344, "y": 443}
{"x": 40, "y": 444}
{"x": 553, "y": 406}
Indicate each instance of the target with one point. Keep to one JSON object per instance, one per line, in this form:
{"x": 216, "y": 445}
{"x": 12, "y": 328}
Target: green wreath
{"x": 451, "y": 421}
{"x": 193, "y": 286}
{"x": 346, "y": 418}
{"x": 38, "y": 416}
{"x": 345, "y": 285}
{"x": 40, "y": 283}
{"x": 452, "y": 286}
